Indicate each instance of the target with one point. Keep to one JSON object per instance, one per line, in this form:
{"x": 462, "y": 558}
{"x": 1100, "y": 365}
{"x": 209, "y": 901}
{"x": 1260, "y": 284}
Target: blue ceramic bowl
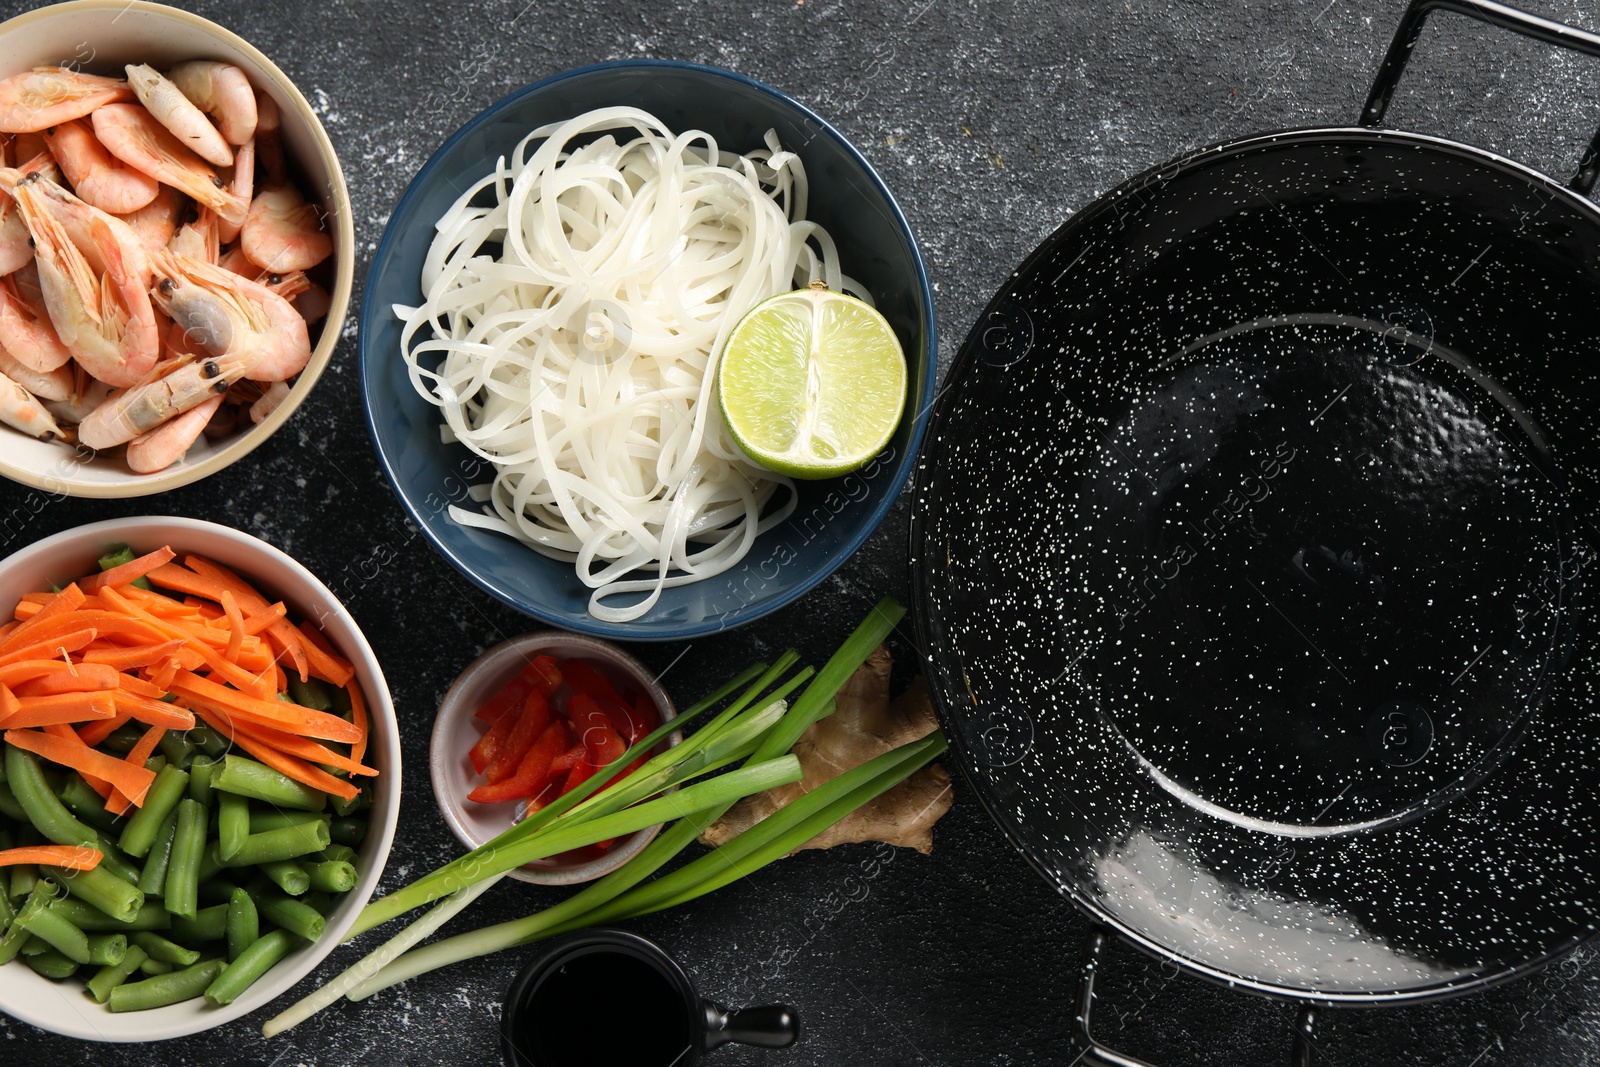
{"x": 834, "y": 518}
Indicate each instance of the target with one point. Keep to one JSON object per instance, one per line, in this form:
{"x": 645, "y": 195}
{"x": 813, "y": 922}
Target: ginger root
{"x": 866, "y": 724}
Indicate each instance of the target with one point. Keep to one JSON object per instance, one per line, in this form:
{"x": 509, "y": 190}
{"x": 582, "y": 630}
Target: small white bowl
{"x": 99, "y": 37}
{"x": 62, "y": 1007}
{"x": 455, "y": 731}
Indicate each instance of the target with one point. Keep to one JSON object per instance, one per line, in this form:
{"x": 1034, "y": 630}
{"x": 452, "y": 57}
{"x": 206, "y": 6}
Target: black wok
{"x": 1250, "y": 551}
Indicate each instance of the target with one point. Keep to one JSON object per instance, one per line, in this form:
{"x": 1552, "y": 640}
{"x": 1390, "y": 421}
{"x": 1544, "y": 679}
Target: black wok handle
{"x": 1509, "y": 18}
{"x": 1092, "y": 1053}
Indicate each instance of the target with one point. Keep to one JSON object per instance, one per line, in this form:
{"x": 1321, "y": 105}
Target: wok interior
{"x": 1272, "y": 552}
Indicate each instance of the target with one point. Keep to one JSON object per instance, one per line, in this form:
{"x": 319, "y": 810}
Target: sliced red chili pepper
{"x": 509, "y": 696}
{"x": 569, "y": 759}
{"x": 531, "y": 722}
{"x": 546, "y": 673}
{"x": 580, "y": 773}
{"x": 647, "y": 711}
{"x": 586, "y": 678}
{"x": 532, "y": 772}
{"x": 629, "y": 726}
{"x": 489, "y": 745}
{"x": 594, "y": 730}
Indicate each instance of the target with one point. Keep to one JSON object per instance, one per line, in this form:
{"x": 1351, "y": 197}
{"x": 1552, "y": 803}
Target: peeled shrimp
{"x": 227, "y": 315}
{"x": 48, "y": 96}
{"x": 222, "y": 91}
{"x": 157, "y": 221}
{"x": 130, "y": 134}
{"x": 21, "y": 410}
{"x": 95, "y": 279}
{"x": 96, "y": 177}
{"x": 167, "y": 443}
{"x": 26, "y": 332}
{"x": 282, "y": 232}
{"x": 168, "y": 106}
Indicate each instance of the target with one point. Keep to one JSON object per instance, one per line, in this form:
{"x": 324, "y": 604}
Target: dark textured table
{"x": 992, "y": 123}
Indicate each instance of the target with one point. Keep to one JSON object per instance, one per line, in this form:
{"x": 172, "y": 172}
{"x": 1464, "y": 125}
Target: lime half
{"x": 812, "y": 383}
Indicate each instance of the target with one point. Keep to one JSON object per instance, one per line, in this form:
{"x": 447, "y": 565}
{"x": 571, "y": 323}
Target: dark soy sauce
{"x": 606, "y": 1009}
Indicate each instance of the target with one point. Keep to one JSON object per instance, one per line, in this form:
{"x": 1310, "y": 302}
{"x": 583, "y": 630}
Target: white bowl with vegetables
{"x": 83, "y": 737}
{"x": 231, "y": 280}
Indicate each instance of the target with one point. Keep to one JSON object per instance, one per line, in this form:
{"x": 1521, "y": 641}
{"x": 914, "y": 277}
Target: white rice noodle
{"x": 575, "y": 300}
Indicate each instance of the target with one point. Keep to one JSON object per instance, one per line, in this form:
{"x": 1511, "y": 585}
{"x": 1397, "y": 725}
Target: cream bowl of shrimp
{"x": 176, "y": 248}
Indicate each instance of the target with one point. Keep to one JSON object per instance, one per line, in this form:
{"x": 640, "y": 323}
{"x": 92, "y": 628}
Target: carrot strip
{"x": 93, "y": 733}
{"x": 74, "y": 857}
{"x": 181, "y": 579}
{"x": 127, "y": 572}
{"x": 358, "y": 716}
{"x": 230, "y": 671}
{"x": 50, "y": 648}
{"x": 257, "y": 621}
{"x": 134, "y": 781}
{"x": 142, "y": 687}
{"x": 118, "y": 802}
{"x": 127, "y": 659}
{"x": 278, "y": 714}
{"x": 24, "y": 670}
{"x": 153, "y": 712}
{"x": 206, "y": 608}
{"x": 162, "y": 678}
{"x": 9, "y": 704}
{"x": 62, "y": 605}
{"x": 298, "y": 769}
{"x": 302, "y": 748}
{"x": 8, "y": 629}
{"x": 283, "y": 636}
{"x": 323, "y": 661}
{"x": 58, "y": 708}
{"x": 76, "y": 678}
{"x": 230, "y": 608}
{"x": 160, "y": 604}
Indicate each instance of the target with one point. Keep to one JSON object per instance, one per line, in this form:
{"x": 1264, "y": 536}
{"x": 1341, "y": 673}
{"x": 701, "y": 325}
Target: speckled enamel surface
{"x": 1252, "y": 538}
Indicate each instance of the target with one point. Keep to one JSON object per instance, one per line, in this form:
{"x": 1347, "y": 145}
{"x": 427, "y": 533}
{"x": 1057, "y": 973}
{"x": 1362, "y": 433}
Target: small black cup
{"x": 608, "y": 998}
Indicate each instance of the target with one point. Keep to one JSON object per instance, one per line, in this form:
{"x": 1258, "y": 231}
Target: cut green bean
{"x": 211, "y": 743}
{"x": 210, "y": 865}
{"x": 165, "y": 989}
{"x": 44, "y": 810}
{"x": 17, "y": 935}
{"x": 180, "y": 894}
{"x": 216, "y": 890}
{"x": 348, "y": 830}
{"x": 58, "y": 932}
{"x": 287, "y": 875}
{"x": 101, "y": 888}
{"x": 150, "y": 916}
{"x": 153, "y": 967}
{"x": 360, "y": 802}
{"x": 159, "y": 948}
{"x": 331, "y": 876}
{"x": 321, "y": 903}
{"x": 310, "y": 693}
{"x": 233, "y": 826}
{"x": 169, "y": 787}
{"x": 208, "y": 924}
{"x": 109, "y": 977}
{"x": 257, "y": 781}
{"x": 106, "y": 949}
{"x": 123, "y": 738}
{"x": 85, "y": 803}
{"x": 251, "y": 964}
{"x": 116, "y": 861}
{"x": 286, "y": 912}
{"x": 262, "y": 821}
{"x": 154, "y": 876}
{"x": 33, "y": 946}
{"x": 178, "y": 748}
{"x": 337, "y": 854}
{"x": 53, "y": 964}
{"x": 284, "y": 843}
{"x": 244, "y": 925}
{"x": 200, "y": 770}
{"x": 24, "y": 876}
{"x": 9, "y": 806}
